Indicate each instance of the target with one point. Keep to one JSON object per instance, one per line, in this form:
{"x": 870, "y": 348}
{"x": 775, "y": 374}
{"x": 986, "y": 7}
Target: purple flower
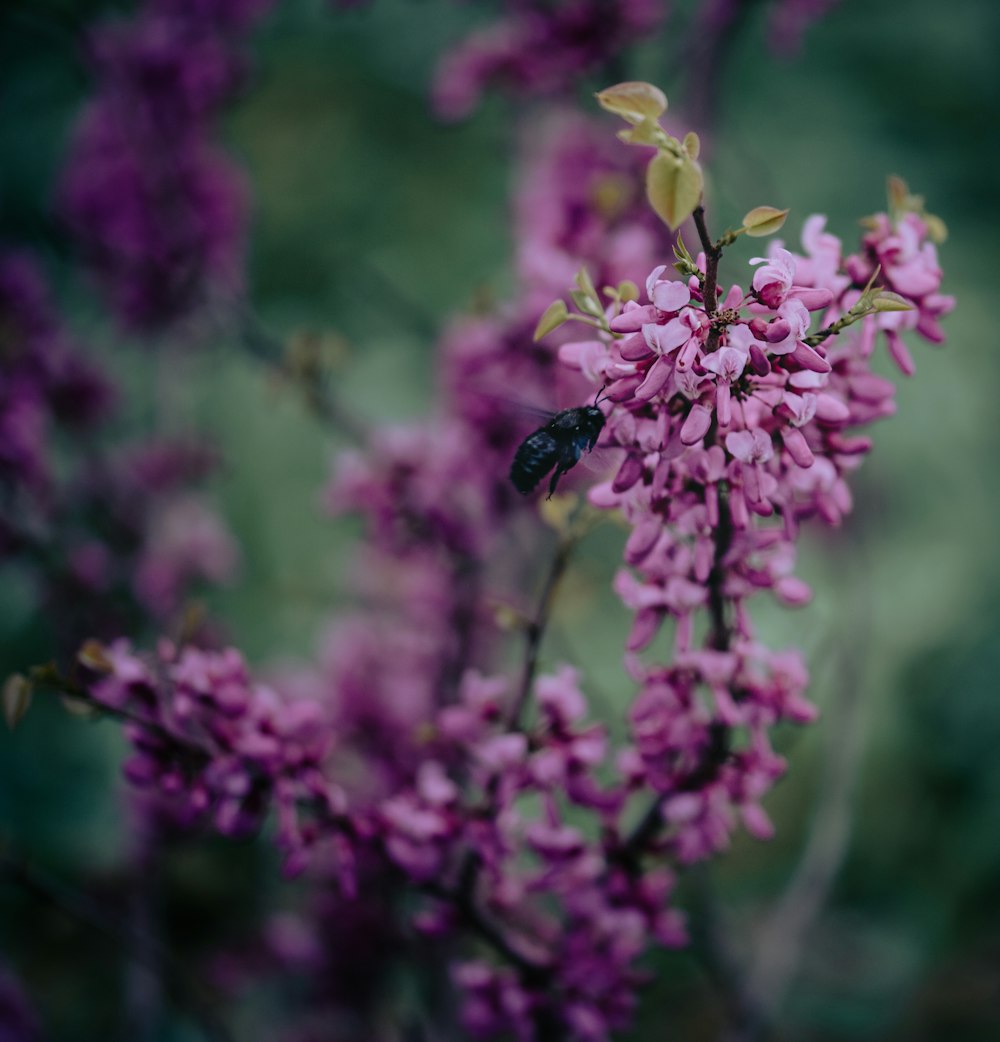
{"x": 157, "y": 208}
{"x": 539, "y": 49}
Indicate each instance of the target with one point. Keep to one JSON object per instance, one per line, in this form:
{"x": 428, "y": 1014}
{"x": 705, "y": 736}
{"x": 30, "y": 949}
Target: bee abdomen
{"x": 535, "y": 457}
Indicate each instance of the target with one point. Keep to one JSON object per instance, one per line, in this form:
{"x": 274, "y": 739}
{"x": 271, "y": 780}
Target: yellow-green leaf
{"x": 899, "y": 194}
{"x": 16, "y": 697}
{"x": 634, "y": 101}
{"x": 79, "y": 708}
{"x": 93, "y": 656}
{"x": 555, "y": 314}
{"x": 692, "y": 144}
{"x": 886, "y": 300}
{"x": 648, "y": 132}
{"x": 673, "y": 187}
{"x": 628, "y": 290}
{"x": 507, "y": 617}
{"x": 936, "y": 228}
{"x": 763, "y": 220}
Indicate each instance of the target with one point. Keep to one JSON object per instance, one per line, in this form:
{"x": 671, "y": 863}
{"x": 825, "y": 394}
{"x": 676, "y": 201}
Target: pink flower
{"x": 753, "y": 446}
{"x": 772, "y": 282}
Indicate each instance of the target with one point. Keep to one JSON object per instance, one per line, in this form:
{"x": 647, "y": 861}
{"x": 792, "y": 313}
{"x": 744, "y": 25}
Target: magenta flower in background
{"x": 95, "y": 531}
{"x": 48, "y": 385}
{"x": 540, "y": 49}
{"x": 158, "y": 209}
{"x": 579, "y": 203}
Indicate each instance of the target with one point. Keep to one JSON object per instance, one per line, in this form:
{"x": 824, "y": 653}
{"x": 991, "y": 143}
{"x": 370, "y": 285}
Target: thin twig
{"x": 418, "y": 318}
{"x": 535, "y": 630}
{"x": 487, "y": 930}
{"x": 269, "y": 349}
{"x": 710, "y": 288}
{"x": 712, "y": 254}
{"x": 467, "y": 577}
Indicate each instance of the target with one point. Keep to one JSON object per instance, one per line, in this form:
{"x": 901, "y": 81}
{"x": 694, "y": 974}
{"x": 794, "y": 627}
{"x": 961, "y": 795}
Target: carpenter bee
{"x": 559, "y": 444}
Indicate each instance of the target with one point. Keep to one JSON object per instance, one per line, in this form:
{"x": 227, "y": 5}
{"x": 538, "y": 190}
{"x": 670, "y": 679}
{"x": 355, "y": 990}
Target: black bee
{"x": 559, "y": 444}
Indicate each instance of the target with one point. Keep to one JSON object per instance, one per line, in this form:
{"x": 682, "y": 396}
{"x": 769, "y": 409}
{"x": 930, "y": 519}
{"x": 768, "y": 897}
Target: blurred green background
{"x": 373, "y": 222}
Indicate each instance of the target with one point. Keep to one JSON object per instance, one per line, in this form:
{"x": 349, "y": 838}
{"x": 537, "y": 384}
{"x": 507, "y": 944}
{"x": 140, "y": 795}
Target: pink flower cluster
{"x": 495, "y": 802}
{"x": 734, "y": 424}
{"x": 218, "y": 744}
{"x": 573, "y": 917}
{"x": 156, "y": 206}
{"x": 404, "y": 761}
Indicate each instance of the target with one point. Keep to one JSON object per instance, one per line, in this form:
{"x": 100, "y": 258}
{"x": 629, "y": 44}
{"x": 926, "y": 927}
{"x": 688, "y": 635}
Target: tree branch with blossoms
{"x": 521, "y": 839}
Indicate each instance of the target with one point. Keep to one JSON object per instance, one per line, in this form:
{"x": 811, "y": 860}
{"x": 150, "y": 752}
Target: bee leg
{"x": 556, "y": 475}
{"x": 567, "y": 460}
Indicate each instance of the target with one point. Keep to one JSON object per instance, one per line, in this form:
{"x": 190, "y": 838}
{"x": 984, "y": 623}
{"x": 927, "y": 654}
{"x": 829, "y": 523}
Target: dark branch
{"x": 535, "y": 630}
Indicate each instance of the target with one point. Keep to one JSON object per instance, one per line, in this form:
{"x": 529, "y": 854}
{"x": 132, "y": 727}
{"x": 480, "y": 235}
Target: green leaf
{"x": 673, "y": 186}
{"x": 763, "y": 220}
{"x": 585, "y": 304}
{"x": 634, "y": 101}
{"x": 681, "y": 252}
{"x": 586, "y": 284}
{"x": 555, "y": 314}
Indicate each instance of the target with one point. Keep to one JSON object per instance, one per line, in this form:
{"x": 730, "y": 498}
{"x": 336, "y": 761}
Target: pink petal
{"x": 900, "y": 353}
{"x": 656, "y": 378}
{"x": 810, "y": 359}
{"x": 797, "y": 447}
{"x": 671, "y": 296}
{"x": 695, "y": 427}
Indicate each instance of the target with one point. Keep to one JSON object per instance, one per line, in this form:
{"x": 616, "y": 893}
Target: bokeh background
{"x": 372, "y": 223}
